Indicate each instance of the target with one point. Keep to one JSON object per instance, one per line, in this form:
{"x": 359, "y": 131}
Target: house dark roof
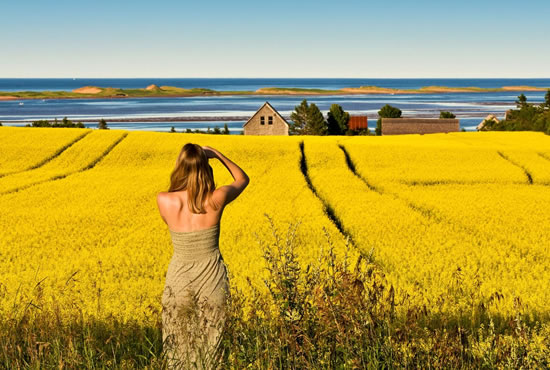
{"x": 273, "y": 109}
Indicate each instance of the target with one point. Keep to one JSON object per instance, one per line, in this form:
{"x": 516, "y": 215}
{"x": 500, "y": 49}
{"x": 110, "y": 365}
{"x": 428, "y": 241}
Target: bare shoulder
{"x": 166, "y": 199}
{"x": 221, "y": 191}
{"x": 162, "y": 196}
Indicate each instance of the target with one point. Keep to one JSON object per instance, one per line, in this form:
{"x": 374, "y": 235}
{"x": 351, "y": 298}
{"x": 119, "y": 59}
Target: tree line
{"x": 65, "y": 122}
{"x": 526, "y": 117}
{"x": 307, "y": 119}
{"x": 215, "y": 131}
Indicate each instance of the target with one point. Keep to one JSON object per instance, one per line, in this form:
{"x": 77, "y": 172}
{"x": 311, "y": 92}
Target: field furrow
{"x": 535, "y": 164}
{"x": 26, "y": 148}
{"x": 425, "y": 252}
{"x": 81, "y": 156}
{"x": 103, "y": 226}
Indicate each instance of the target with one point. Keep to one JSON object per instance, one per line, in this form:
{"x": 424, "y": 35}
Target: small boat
{"x": 21, "y": 103}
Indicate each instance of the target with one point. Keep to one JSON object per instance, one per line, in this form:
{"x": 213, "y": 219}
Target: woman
{"x": 197, "y": 285}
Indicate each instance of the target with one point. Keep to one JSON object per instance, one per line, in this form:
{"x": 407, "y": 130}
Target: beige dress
{"x": 194, "y": 300}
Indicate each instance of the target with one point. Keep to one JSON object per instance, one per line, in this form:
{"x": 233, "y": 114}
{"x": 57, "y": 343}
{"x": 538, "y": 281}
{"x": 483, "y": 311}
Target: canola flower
{"x": 431, "y": 214}
{"x": 499, "y": 232}
{"x": 95, "y": 240}
{"x": 77, "y": 157}
{"x": 23, "y": 148}
{"x": 433, "y": 159}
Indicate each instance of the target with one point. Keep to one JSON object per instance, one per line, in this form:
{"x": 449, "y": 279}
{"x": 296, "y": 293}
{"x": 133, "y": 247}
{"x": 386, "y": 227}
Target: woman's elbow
{"x": 245, "y": 181}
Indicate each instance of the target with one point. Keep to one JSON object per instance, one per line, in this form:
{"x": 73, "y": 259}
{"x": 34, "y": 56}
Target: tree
{"x": 547, "y": 99}
{"x": 444, "y": 114}
{"x": 172, "y": 129}
{"x": 317, "y": 124}
{"x": 299, "y": 118}
{"x": 0, "y": 123}
{"x": 307, "y": 120}
{"x": 522, "y": 101}
{"x": 225, "y": 129}
{"x": 387, "y": 111}
{"x": 102, "y": 125}
{"x": 337, "y": 120}
{"x": 491, "y": 125}
{"x": 217, "y": 131}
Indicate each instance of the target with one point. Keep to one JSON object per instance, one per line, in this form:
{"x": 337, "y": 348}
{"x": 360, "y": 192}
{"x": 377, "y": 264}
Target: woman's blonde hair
{"x": 194, "y": 174}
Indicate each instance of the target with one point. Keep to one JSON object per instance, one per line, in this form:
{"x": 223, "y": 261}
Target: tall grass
{"x": 330, "y": 314}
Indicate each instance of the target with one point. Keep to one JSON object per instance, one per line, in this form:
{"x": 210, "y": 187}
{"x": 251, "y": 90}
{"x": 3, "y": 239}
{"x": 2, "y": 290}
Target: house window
{"x": 270, "y": 120}
{"x": 262, "y": 120}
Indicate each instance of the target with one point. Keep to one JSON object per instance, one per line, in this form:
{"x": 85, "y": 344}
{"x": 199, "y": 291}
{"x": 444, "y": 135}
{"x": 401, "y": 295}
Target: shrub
{"x": 387, "y": 111}
{"x": 64, "y": 123}
{"x": 529, "y": 117}
{"x": 102, "y": 124}
{"x": 445, "y": 114}
{"x": 359, "y": 132}
{"x": 215, "y": 131}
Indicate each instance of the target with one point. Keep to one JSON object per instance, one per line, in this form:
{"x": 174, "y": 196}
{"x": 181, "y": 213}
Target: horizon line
{"x": 212, "y": 78}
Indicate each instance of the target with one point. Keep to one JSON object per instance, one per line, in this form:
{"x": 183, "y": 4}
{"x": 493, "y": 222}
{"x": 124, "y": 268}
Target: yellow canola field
{"x": 434, "y": 261}
{"x": 504, "y": 242}
{"x": 448, "y": 219}
{"x": 98, "y": 241}
{"x": 23, "y": 148}
{"x": 449, "y": 158}
{"x": 82, "y": 154}
{"x": 515, "y": 219}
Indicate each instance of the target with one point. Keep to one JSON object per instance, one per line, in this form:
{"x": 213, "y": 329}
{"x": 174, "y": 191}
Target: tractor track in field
{"x": 543, "y": 155}
{"x": 51, "y": 157}
{"x": 426, "y": 212}
{"x": 429, "y": 213}
{"x": 329, "y": 211}
{"x": 527, "y": 174}
{"x": 89, "y": 166}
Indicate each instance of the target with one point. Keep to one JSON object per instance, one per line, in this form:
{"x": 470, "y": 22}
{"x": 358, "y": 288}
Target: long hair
{"x": 194, "y": 174}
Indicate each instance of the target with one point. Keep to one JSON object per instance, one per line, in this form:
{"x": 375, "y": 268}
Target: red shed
{"x": 358, "y": 123}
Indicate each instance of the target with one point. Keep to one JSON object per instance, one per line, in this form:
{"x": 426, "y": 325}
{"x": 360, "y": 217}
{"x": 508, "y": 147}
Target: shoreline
{"x": 197, "y": 119}
{"x": 152, "y": 91}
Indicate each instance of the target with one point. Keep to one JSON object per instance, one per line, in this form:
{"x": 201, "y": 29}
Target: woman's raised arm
{"x": 228, "y": 193}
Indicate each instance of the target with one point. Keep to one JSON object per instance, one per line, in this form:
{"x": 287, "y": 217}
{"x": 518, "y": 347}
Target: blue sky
{"x": 162, "y": 38}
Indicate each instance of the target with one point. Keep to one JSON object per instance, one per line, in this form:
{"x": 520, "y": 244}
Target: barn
{"x": 397, "y": 126}
{"x": 266, "y": 121}
{"x": 358, "y": 123}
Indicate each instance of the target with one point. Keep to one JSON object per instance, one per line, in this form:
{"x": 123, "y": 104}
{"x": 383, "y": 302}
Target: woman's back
{"x": 178, "y": 216}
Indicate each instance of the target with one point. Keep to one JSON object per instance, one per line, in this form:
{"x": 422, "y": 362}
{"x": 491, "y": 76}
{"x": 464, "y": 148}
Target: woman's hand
{"x": 210, "y": 152}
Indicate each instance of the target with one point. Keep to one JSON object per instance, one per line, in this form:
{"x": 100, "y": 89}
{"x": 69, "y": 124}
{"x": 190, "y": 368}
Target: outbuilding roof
{"x": 270, "y": 107}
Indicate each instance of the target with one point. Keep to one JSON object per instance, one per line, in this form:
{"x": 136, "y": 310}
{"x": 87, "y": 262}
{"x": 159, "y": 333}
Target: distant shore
{"x": 153, "y": 91}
